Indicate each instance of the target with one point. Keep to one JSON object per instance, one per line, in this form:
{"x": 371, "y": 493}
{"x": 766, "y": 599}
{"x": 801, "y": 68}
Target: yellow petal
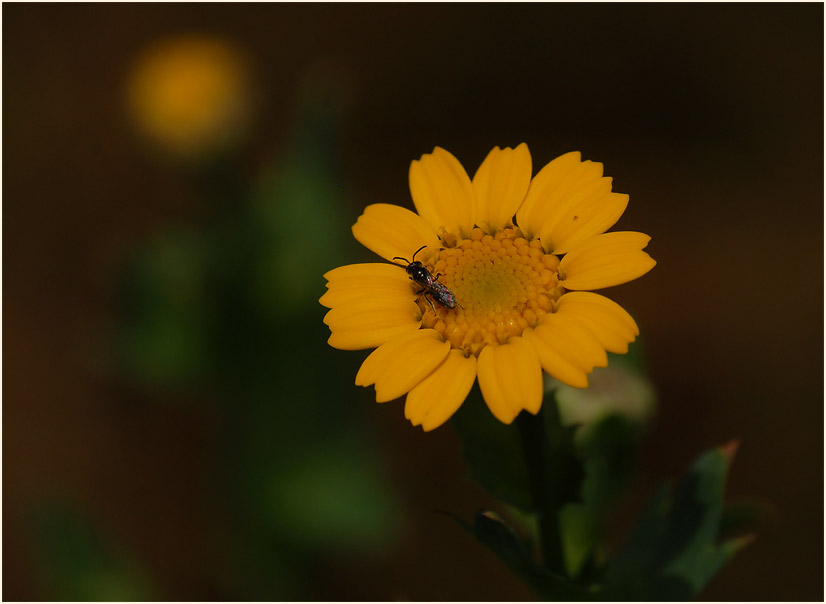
{"x": 501, "y": 183}
{"x": 392, "y": 231}
{"x": 366, "y": 271}
{"x": 606, "y": 260}
{"x": 574, "y": 340}
{"x": 442, "y": 192}
{"x": 588, "y": 212}
{"x": 400, "y": 364}
{"x": 613, "y": 327}
{"x": 370, "y": 323}
{"x": 510, "y": 378}
{"x": 372, "y": 281}
{"x": 553, "y": 359}
{"x": 551, "y": 186}
{"x": 439, "y": 395}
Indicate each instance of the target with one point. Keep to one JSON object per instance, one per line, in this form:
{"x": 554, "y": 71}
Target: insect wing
{"x": 442, "y": 295}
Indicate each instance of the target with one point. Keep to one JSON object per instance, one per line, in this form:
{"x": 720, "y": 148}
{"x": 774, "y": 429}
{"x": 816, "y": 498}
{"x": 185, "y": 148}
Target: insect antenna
{"x": 417, "y": 251}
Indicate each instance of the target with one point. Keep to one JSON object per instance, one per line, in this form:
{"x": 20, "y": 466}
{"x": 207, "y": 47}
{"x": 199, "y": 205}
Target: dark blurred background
{"x": 175, "y": 426}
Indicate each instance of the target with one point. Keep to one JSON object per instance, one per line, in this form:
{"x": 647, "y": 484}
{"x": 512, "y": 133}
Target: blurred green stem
{"x": 534, "y": 432}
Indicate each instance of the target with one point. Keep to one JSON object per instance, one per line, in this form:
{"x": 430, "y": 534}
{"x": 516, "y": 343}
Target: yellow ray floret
{"x": 391, "y": 231}
{"x": 553, "y": 358}
{"x": 353, "y": 283}
{"x": 442, "y": 192}
{"x": 548, "y": 188}
{"x": 371, "y": 324}
{"x": 610, "y": 324}
{"x": 500, "y": 185}
{"x": 582, "y": 348}
{"x": 440, "y": 394}
{"x": 510, "y": 379}
{"x": 401, "y": 363}
{"x": 606, "y": 260}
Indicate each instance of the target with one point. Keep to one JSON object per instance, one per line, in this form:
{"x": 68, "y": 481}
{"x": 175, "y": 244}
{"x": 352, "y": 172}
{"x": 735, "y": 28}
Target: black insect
{"x": 430, "y": 284}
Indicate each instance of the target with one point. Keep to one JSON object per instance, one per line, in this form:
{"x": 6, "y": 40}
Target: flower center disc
{"x": 502, "y": 283}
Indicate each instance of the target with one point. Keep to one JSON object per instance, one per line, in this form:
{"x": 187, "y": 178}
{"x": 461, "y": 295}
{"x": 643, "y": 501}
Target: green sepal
{"x": 673, "y": 551}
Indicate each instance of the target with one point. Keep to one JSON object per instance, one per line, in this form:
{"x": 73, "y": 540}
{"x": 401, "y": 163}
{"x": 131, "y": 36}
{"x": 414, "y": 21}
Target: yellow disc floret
{"x": 503, "y": 284}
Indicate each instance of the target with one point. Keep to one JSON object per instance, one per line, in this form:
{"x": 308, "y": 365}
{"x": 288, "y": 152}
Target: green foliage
{"x": 497, "y": 459}
{"x": 76, "y": 562}
{"x": 492, "y": 531}
{"x": 608, "y": 457}
{"x": 231, "y": 308}
{"x": 493, "y": 452}
{"x": 324, "y": 500}
{"x": 297, "y": 247}
{"x": 163, "y": 339}
{"x": 673, "y": 551}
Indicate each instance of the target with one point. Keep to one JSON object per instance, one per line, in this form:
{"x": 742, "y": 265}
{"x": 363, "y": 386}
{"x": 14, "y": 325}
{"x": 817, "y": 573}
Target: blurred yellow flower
{"x": 522, "y": 303}
{"x": 190, "y": 95}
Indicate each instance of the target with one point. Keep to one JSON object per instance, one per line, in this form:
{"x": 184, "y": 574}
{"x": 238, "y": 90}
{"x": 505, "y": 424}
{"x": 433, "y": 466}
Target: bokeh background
{"x": 178, "y": 177}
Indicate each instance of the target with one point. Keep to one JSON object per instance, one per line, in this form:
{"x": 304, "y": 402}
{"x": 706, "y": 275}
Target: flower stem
{"x": 534, "y": 433}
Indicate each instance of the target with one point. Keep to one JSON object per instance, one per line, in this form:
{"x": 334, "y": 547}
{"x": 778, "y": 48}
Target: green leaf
{"x": 578, "y": 536}
{"x": 497, "y": 458}
{"x": 491, "y": 530}
{"x": 673, "y": 551}
{"x": 610, "y": 416}
{"x": 609, "y": 455}
{"x": 493, "y": 452}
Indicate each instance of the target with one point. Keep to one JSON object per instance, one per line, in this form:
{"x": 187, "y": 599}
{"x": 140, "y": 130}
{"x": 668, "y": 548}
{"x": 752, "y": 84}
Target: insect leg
{"x": 426, "y": 297}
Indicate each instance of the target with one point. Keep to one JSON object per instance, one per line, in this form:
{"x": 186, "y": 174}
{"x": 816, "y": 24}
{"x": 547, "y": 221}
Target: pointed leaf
{"x": 491, "y": 530}
{"x": 673, "y": 551}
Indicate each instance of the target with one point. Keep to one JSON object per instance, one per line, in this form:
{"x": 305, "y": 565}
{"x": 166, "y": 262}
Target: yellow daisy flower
{"x": 521, "y": 286}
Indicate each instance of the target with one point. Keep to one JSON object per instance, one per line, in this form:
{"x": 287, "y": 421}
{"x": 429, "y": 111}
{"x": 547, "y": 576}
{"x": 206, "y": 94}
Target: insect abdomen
{"x": 442, "y": 295}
